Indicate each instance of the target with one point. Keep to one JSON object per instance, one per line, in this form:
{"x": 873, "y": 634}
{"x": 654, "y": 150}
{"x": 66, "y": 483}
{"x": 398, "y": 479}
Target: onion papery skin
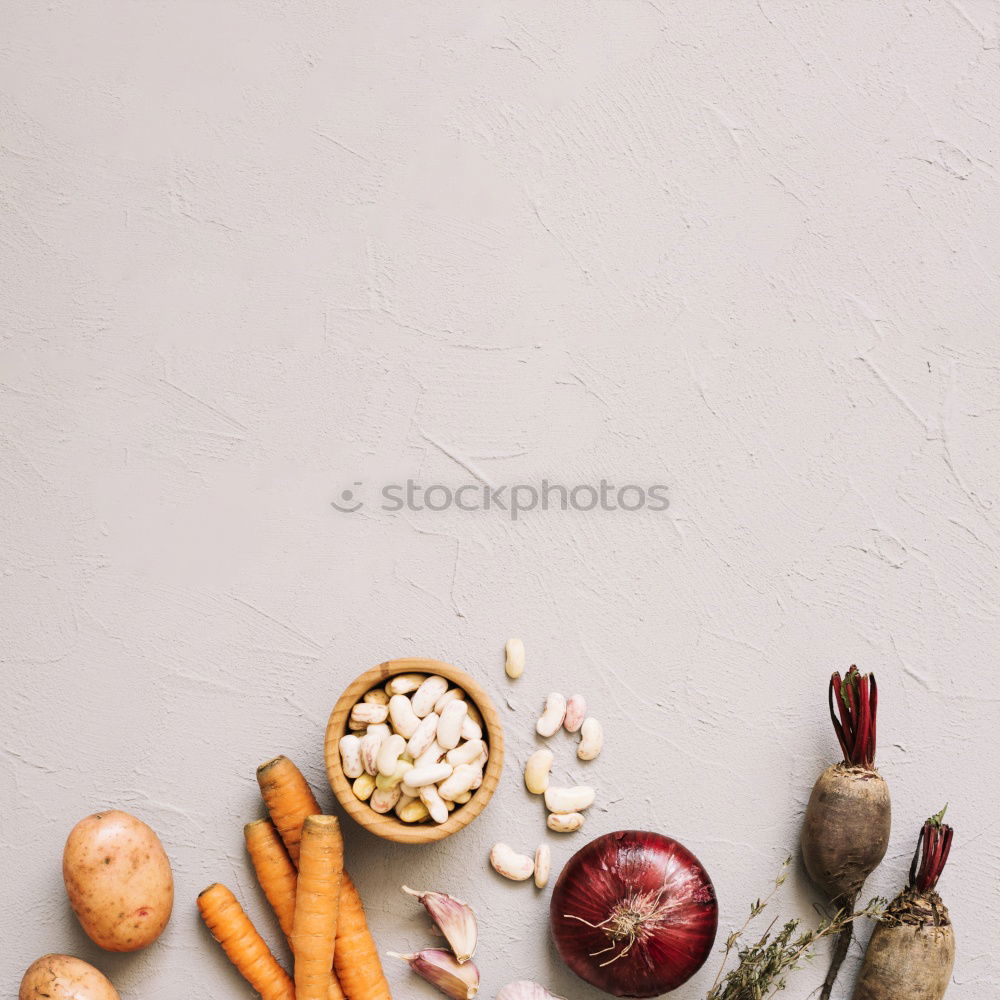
{"x": 633, "y": 873}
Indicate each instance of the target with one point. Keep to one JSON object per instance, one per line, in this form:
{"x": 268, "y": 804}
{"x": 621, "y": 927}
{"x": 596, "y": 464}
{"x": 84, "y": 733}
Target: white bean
{"x": 536, "y": 771}
{"x": 569, "y": 800}
{"x": 515, "y": 658}
{"x": 460, "y": 781}
{"x": 427, "y": 694}
{"x": 552, "y": 718}
{"x": 412, "y": 810}
{"x": 423, "y": 736}
{"x": 370, "y": 744}
{"x": 431, "y": 755}
{"x": 404, "y": 683}
{"x": 363, "y": 787}
{"x": 591, "y": 739}
{"x": 429, "y": 775}
{"x": 475, "y": 715}
{"x": 543, "y": 862}
{"x": 376, "y": 696}
{"x": 383, "y": 799}
{"x": 389, "y": 753}
{"x": 404, "y": 720}
{"x": 435, "y": 805}
{"x": 471, "y": 730}
{"x": 350, "y": 756}
{"x": 460, "y": 800}
{"x": 398, "y": 774}
{"x": 449, "y": 728}
{"x": 467, "y": 753}
{"x": 455, "y": 694}
{"x": 576, "y": 712}
{"x": 507, "y": 862}
{"x": 364, "y": 714}
{"x": 564, "y": 822}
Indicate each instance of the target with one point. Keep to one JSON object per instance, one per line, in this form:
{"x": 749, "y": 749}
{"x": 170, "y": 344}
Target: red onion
{"x": 634, "y": 914}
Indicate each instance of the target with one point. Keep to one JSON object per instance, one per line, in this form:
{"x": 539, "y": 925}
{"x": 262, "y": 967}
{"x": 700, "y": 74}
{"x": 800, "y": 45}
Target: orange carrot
{"x": 289, "y": 800}
{"x": 317, "y": 901}
{"x": 356, "y": 957}
{"x": 275, "y": 871}
{"x": 246, "y": 949}
{"x": 277, "y": 877}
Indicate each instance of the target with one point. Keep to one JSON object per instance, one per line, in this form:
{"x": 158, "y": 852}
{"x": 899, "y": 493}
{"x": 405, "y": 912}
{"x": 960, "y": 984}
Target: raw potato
{"x": 63, "y": 977}
{"x": 118, "y": 880}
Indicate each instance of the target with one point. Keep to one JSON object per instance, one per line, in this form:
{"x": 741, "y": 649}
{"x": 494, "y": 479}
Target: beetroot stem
{"x": 933, "y": 848}
{"x": 856, "y": 698}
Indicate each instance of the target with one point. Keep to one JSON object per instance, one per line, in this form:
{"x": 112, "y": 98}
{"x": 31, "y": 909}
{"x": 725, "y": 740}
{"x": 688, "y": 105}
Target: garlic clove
{"x": 523, "y": 989}
{"x": 441, "y": 970}
{"x": 456, "y": 921}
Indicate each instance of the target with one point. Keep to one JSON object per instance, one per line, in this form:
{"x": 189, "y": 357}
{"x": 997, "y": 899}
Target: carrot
{"x": 317, "y": 901}
{"x": 246, "y": 949}
{"x": 289, "y": 800}
{"x": 277, "y": 877}
{"x": 356, "y": 957}
{"x": 275, "y": 871}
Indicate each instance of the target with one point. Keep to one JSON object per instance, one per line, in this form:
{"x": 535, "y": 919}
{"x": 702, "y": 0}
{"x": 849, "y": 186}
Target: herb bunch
{"x": 762, "y": 964}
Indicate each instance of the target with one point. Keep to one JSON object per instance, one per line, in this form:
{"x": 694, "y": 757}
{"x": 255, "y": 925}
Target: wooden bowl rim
{"x": 389, "y": 827}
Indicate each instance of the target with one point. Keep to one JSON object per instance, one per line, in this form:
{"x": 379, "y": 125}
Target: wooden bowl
{"x": 389, "y": 826}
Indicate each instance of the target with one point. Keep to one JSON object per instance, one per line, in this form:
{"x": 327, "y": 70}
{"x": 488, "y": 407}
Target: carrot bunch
{"x": 298, "y": 855}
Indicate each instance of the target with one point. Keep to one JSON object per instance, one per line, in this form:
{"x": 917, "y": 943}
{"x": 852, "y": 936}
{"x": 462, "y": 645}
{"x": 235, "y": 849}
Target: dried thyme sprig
{"x": 763, "y": 965}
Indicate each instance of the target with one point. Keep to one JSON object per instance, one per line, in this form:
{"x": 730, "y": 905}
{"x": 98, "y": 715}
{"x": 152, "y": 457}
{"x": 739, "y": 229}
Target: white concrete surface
{"x": 256, "y": 253}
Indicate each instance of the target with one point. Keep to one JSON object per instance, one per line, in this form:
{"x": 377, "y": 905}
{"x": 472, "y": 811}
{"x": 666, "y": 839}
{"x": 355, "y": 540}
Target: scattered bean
{"x": 536, "y": 771}
{"x": 543, "y": 862}
{"x": 507, "y": 862}
{"x": 576, "y": 712}
{"x": 515, "y": 658}
{"x": 551, "y": 719}
{"x": 564, "y": 822}
{"x": 569, "y": 800}
{"x": 591, "y": 739}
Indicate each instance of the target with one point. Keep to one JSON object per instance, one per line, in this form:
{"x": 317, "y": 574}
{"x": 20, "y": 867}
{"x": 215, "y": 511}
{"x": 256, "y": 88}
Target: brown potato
{"x": 118, "y": 880}
{"x": 62, "y": 977}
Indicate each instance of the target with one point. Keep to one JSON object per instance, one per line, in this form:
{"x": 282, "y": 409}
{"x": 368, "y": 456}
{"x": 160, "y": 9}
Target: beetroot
{"x": 912, "y": 950}
{"x": 849, "y": 815}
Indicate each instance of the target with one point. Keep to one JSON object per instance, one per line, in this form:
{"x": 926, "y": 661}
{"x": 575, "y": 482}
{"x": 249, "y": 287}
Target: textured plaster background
{"x": 255, "y": 253}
